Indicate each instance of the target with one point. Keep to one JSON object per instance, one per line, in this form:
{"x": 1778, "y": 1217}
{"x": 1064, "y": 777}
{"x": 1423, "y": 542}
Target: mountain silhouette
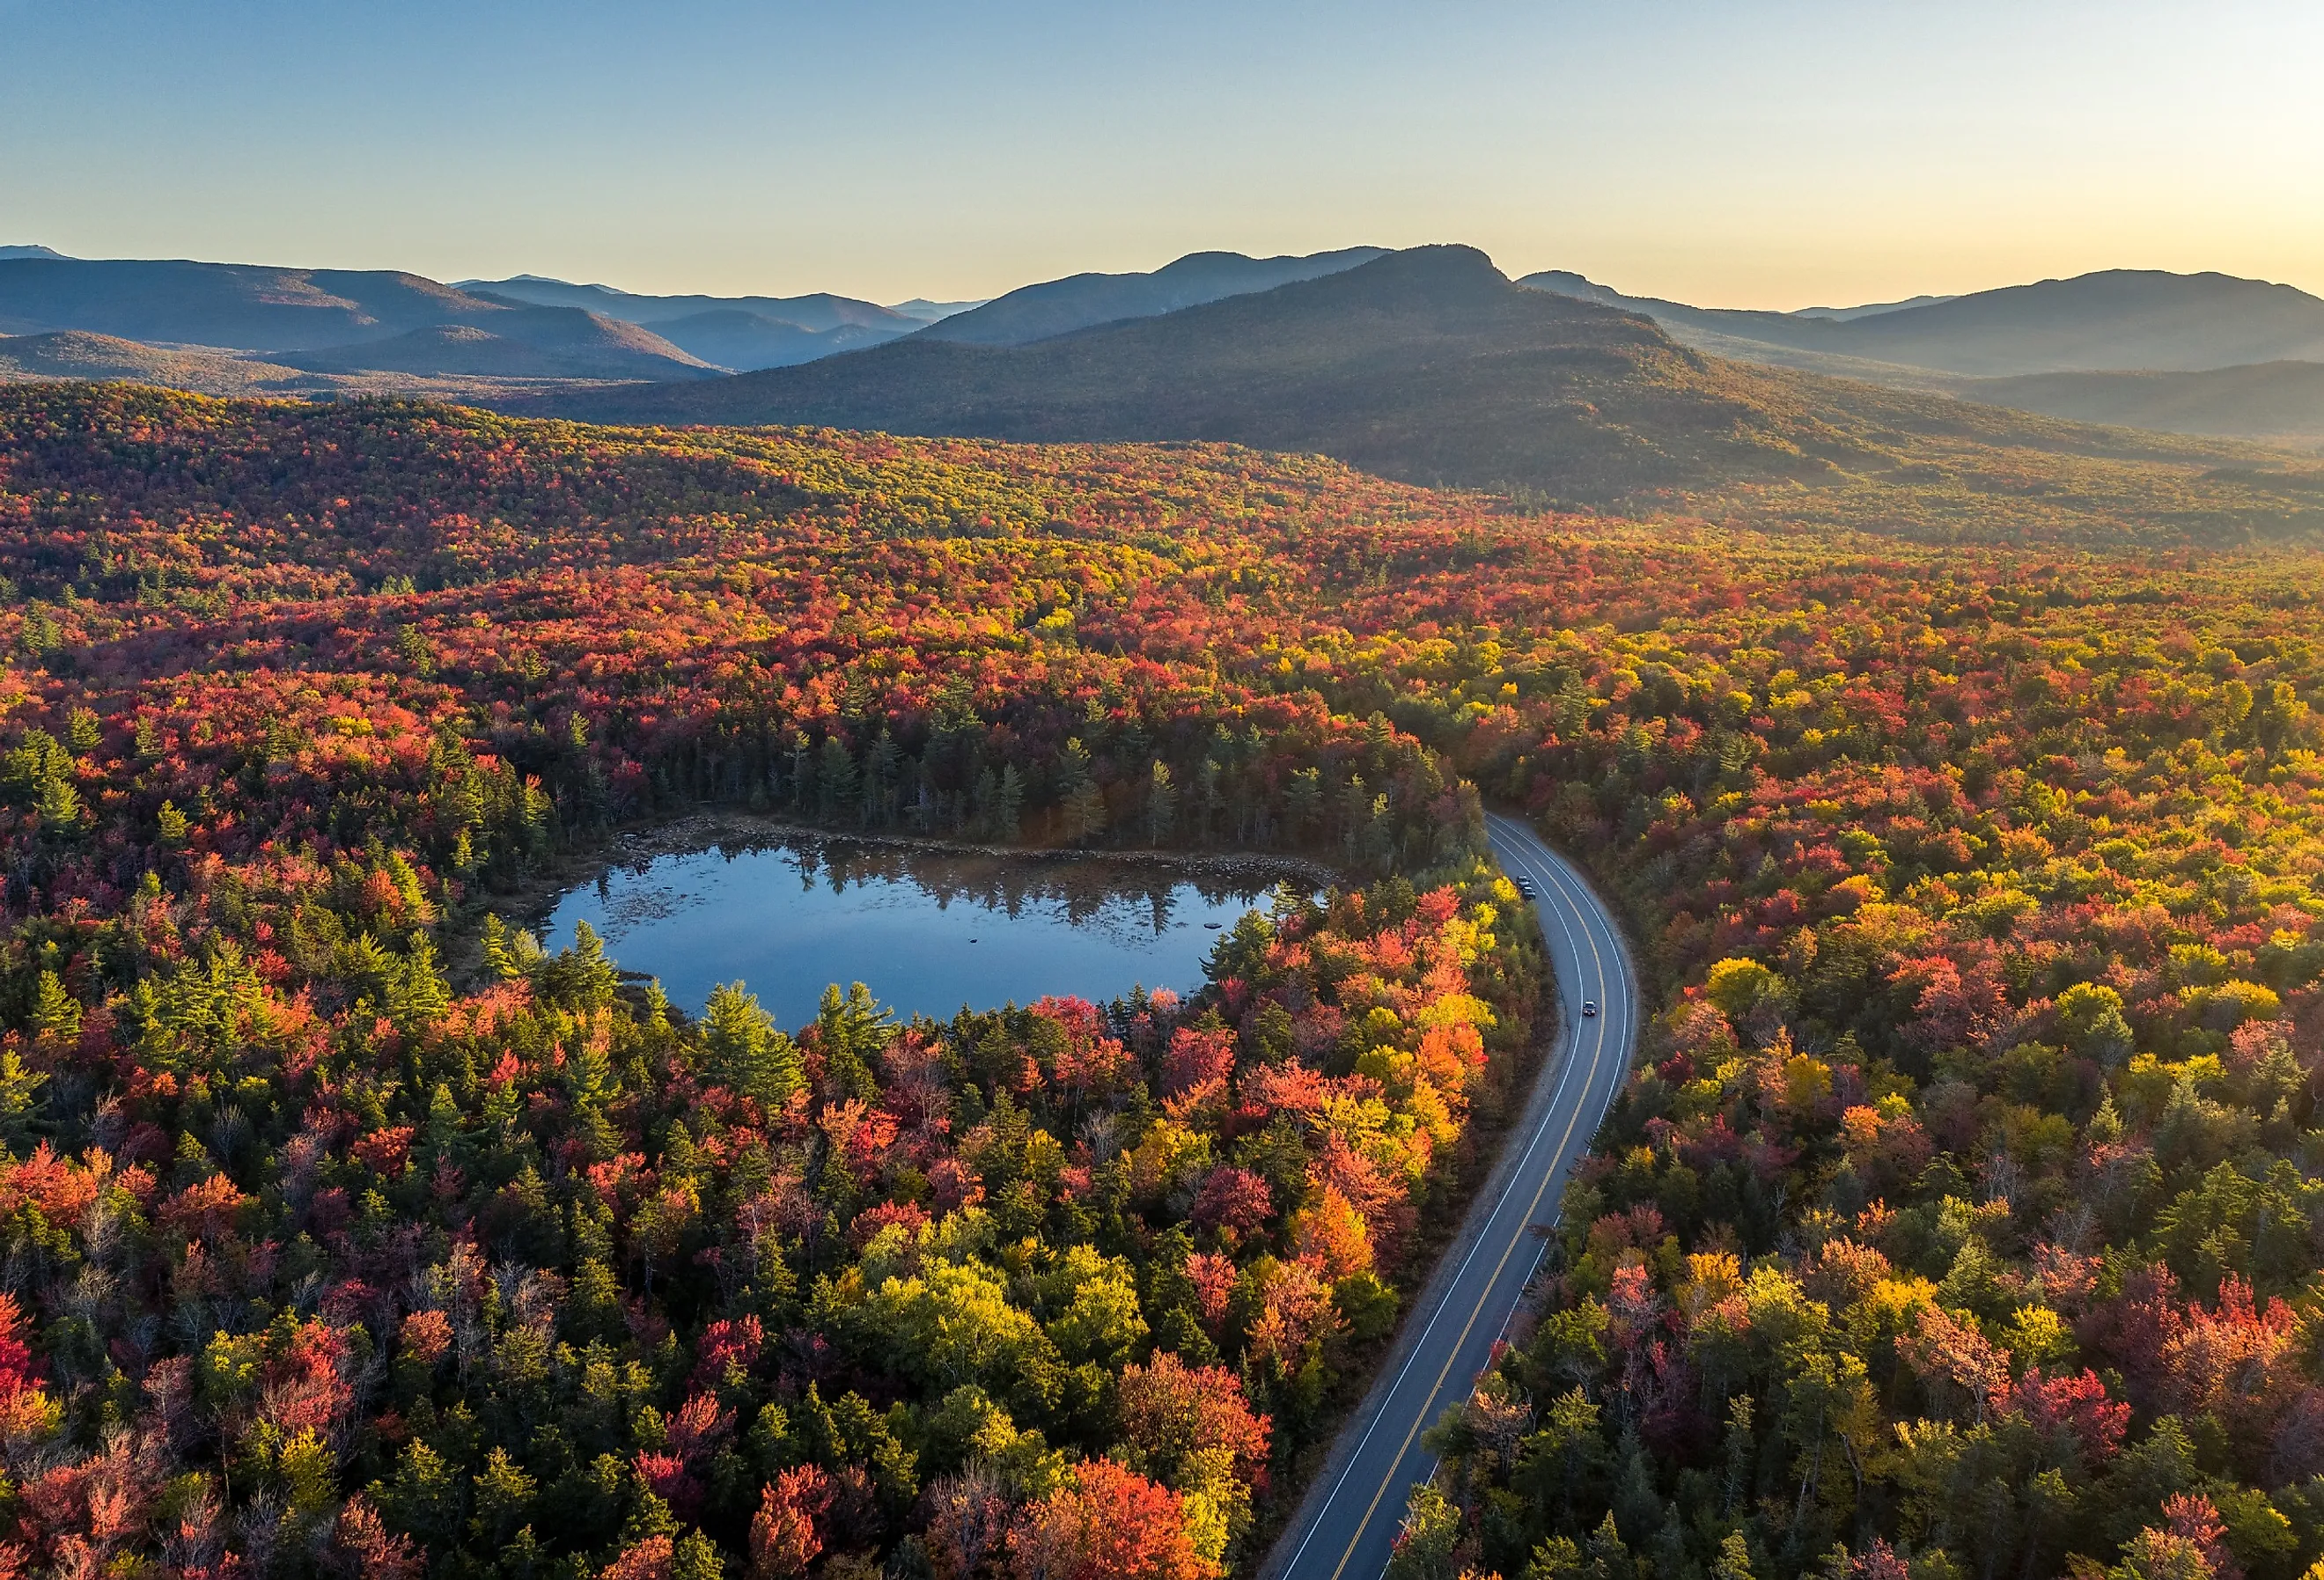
{"x": 1426, "y": 365}
{"x": 1059, "y": 307}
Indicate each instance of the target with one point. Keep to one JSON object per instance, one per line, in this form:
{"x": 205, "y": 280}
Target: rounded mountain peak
{"x": 1444, "y": 264}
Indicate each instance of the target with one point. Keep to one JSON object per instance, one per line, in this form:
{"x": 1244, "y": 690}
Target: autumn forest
{"x": 1962, "y": 1218}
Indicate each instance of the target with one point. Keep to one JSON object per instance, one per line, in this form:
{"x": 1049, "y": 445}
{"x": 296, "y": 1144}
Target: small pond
{"x": 928, "y": 930}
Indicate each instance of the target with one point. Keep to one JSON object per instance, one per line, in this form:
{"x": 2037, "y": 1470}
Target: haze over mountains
{"x": 322, "y": 320}
{"x": 242, "y": 328}
{"x": 307, "y": 331}
{"x": 751, "y": 333}
{"x": 1429, "y": 368}
{"x": 819, "y": 311}
{"x": 744, "y": 333}
{"x": 242, "y": 306}
{"x": 2119, "y": 319}
{"x": 1427, "y": 365}
{"x": 2116, "y": 345}
{"x": 540, "y": 342}
{"x": 2281, "y": 401}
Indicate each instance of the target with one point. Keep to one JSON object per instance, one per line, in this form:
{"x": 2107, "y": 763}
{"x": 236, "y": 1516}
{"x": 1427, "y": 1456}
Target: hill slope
{"x": 2117, "y": 319}
{"x": 2268, "y": 400}
{"x": 542, "y": 342}
{"x": 1429, "y": 367}
{"x": 1059, "y": 307}
{"x": 76, "y": 354}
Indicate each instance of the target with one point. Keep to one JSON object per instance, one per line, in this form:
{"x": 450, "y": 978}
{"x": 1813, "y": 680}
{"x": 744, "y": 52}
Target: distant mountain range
{"x": 328, "y": 320}
{"x": 193, "y": 320}
{"x": 532, "y": 342}
{"x": 929, "y": 312}
{"x": 1427, "y": 365}
{"x": 1845, "y": 313}
{"x": 312, "y": 330}
{"x": 738, "y": 339}
{"x": 2202, "y": 354}
{"x": 751, "y": 333}
{"x": 2108, "y": 342}
{"x": 2120, "y": 319}
{"x": 744, "y": 333}
{"x": 233, "y": 305}
{"x": 818, "y": 312}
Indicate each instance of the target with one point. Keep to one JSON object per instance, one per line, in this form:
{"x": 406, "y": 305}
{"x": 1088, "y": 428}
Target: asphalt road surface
{"x": 1349, "y": 1519}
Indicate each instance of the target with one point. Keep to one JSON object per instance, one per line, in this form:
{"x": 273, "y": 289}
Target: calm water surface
{"x": 929, "y": 932}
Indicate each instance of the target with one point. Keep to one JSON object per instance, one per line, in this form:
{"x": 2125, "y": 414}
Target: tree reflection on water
{"x": 928, "y": 927}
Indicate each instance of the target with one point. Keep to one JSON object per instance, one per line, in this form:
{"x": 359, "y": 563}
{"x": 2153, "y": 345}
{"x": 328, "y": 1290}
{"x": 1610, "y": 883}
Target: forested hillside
{"x": 1963, "y": 1219}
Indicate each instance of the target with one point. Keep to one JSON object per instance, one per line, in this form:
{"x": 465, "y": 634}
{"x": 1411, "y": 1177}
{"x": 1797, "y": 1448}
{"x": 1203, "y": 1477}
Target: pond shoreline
{"x": 702, "y": 831}
{"x": 659, "y": 879}
{"x": 529, "y": 903}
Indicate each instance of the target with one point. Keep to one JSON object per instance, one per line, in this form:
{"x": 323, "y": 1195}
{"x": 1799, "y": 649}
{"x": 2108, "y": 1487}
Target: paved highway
{"x": 1350, "y": 1519}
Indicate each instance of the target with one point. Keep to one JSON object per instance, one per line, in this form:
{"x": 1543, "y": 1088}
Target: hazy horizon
{"x": 681, "y": 289}
{"x": 1804, "y": 154}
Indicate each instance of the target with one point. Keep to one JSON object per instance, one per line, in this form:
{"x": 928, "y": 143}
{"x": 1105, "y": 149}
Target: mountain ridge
{"x": 747, "y": 342}
{"x": 379, "y": 327}
{"x": 819, "y": 311}
{"x": 539, "y": 342}
{"x": 244, "y": 306}
{"x": 1428, "y": 366}
{"x": 2146, "y": 320}
{"x": 1050, "y": 307}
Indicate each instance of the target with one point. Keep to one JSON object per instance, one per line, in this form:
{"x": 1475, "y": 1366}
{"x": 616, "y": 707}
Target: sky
{"x": 1785, "y": 154}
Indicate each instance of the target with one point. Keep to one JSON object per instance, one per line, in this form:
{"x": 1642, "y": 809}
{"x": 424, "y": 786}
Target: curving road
{"x": 1350, "y": 1518}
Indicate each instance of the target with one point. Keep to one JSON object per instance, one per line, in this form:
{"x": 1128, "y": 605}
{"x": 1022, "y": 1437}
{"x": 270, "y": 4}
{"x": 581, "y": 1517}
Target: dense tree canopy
{"x": 324, "y": 1260}
{"x": 1963, "y": 1215}
{"x": 1962, "y": 1218}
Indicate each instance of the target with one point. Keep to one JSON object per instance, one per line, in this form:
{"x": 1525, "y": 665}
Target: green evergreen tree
{"x": 747, "y": 1052}
{"x": 852, "y": 1029}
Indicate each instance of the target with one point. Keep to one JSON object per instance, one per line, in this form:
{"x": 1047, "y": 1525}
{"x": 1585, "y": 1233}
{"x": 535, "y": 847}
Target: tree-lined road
{"x": 1350, "y": 1519}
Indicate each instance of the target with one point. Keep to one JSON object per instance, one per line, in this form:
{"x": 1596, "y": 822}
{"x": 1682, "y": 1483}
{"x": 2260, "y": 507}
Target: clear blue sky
{"x": 1770, "y": 154}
